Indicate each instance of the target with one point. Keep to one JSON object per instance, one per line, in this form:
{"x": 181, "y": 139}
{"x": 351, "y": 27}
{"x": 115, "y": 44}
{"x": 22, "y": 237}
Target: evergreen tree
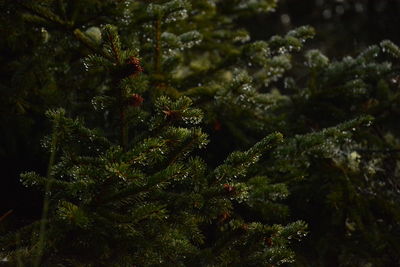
{"x": 133, "y": 195}
{"x": 127, "y": 185}
{"x": 357, "y": 178}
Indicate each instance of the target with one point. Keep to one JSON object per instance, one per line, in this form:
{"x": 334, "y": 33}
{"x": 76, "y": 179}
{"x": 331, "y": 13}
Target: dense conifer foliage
{"x": 177, "y": 140}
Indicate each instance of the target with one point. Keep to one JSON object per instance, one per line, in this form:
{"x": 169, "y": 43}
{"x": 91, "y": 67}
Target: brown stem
{"x": 121, "y": 96}
{"x": 46, "y": 201}
{"x": 123, "y": 130}
{"x": 114, "y": 49}
{"x": 5, "y": 215}
{"x": 157, "y": 48}
{"x": 122, "y": 120}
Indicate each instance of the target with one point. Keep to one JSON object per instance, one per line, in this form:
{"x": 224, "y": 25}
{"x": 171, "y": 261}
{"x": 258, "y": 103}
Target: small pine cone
{"x": 135, "y": 100}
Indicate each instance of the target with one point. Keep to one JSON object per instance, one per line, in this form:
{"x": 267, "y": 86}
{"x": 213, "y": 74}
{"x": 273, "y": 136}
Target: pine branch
{"x": 82, "y": 38}
{"x": 157, "y": 48}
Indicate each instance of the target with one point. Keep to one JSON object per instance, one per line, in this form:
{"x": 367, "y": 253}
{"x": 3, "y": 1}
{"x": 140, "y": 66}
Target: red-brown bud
{"x": 172, "y": 114}
{"x": 268, "y": 241}
{"x": 217, "y": 125}
{"x": 131, "y": 68}
{"x": 135, "y": 100}
{"x": 228, "y": 188}
{"x": 223, "y": 217}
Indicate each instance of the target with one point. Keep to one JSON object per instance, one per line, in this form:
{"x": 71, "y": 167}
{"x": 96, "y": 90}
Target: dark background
{"x": 343, "y": 27}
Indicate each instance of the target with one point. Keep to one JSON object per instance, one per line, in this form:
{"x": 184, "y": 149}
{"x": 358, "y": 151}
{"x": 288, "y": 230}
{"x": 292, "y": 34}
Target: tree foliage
{"x": 167, "y": 148}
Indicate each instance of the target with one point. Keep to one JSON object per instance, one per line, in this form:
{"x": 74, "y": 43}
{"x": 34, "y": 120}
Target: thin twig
{"x": 46, "y": 201}
{"x": 5, "y": 215}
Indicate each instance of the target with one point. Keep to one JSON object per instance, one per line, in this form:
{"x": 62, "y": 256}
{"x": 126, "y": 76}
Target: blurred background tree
{"x": 351, "y": 223}
{"x": 343, "y": 26}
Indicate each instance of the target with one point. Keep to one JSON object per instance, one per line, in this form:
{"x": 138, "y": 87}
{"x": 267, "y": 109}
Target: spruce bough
{"x": 177, "y": 88}
{"x": 146, "y": 200}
